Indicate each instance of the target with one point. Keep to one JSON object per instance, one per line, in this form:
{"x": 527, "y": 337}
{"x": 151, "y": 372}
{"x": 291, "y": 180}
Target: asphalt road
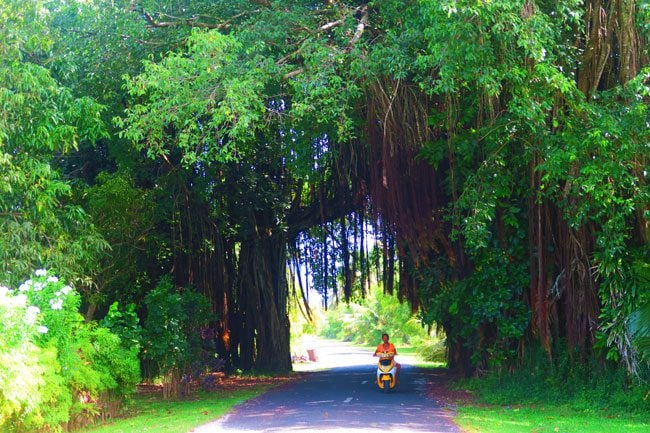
{"x": 341, "y": 399}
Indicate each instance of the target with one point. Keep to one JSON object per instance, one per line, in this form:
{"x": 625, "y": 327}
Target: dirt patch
{"x": 223, "y": 382}
{"x": 438, "y": 389}
{"x": 241, "y": 382}
{"x": 148, "y": 388}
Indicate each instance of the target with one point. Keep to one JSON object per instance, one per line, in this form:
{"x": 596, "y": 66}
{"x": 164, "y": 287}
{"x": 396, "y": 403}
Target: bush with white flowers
{"x": 53, "y": 365}
{"x": 21, "y": 375}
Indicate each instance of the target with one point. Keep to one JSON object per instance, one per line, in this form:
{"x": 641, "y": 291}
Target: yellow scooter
{"x": 386, "y": 371}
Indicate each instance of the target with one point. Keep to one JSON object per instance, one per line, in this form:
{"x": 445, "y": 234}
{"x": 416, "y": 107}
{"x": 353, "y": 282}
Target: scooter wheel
{"x": 387, "y": 385}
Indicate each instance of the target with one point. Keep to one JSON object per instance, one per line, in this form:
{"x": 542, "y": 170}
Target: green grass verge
{"x": 152, "y": 414}
{"x": 546, "y": 419}
{"x": 563, "y": 398}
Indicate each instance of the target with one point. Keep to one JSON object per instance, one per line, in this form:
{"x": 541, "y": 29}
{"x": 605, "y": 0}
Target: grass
{"x": 546, "y": 419}
{"x": 152, "y": 414}
{"x": 563, "y": 398}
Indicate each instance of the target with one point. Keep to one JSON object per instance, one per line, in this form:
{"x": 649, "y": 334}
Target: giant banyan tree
{"x": 526, "y": 223}
{"x": 497, "y": 149}
{"x": 524, "y": 226}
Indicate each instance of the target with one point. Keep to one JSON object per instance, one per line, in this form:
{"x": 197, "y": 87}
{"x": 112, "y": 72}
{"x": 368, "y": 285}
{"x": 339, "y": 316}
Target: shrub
{"x": 172, "y": 333}
{"x": 22, "y": 367}
{"x": 432, "y": 350}
{"x": 55, "y": 368}
{"x": 588, "y": 386}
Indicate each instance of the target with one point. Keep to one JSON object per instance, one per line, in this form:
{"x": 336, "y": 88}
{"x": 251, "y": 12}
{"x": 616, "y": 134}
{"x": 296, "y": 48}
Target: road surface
{"x": 341, "y": 400}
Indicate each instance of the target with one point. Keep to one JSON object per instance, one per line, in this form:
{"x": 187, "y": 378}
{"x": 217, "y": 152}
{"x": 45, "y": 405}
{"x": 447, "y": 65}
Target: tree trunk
{"x": 611, "y": 43}
{"x": 171, "y": 384}
{"x": 263, "y": 301}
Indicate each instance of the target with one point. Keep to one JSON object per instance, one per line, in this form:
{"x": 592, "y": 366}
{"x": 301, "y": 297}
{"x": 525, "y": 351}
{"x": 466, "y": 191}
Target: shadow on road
{"x": 342, "y": 399}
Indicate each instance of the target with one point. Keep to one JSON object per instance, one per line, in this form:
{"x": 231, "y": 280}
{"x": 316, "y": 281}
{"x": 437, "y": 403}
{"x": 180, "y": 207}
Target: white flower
{"x": 56, "y": 304}
{"x": 66, "y": 289}
{"x": 52, "y": 279}
{"x": 25, "y": 286}
{"x": 42, "y": 329}
{"x": 32, "y": 314}
{"x": 21, "y": 300}
{"x": 38, "y": 286}
{"x": 4, "y": 290}
{"x": 40, "y": 272}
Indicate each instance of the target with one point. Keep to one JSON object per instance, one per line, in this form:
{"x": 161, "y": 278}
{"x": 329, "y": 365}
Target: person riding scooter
{"x": 387, "y": 346}
{"x": 387, "y": 350}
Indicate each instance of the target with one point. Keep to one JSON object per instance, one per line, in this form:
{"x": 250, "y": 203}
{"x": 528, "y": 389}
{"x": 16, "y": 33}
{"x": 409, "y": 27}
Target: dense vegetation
{"x": 192, "y": 158}
{"x": 364, "y": 321}
{"x": 56, "y": 370}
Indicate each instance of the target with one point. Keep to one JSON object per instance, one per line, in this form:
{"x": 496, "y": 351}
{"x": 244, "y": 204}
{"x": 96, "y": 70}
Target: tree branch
{"x": 363, "y": 21}
{"x": 193, "y": 21}
{"x": 331, "y": 208}
{"x": 330, "y": 25}
{"x": 187, "y": 21}
{"x": 293, "y": 73}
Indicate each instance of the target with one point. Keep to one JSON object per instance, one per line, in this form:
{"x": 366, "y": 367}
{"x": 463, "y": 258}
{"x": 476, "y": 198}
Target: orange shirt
{"x": 391, "y": 348}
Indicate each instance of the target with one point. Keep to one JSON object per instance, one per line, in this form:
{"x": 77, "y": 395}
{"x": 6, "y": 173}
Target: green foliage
{"x": 39, "y": 119}
{"x": 640, "y": 324}
{"x": 115, "y": 360}
{"x": 215, "y": 97}
{"x": 123, "y": 334}
{"x": 54, "y": 364}
{"x": 364, "y": 322}
{"x": 591, "y": 386}
{"x": 518, "y": 56}
{"x": 126, "y": 216}
{"x": 171, "y": 336}
{"x": 247, "y": 114}
{"x": 605, "y": 144}
{"x": 23, "y": 365}
{"x": 229, "y": 108}
{"x": 639, "y": 320}
{"x": 488, "y": 299}
{"x": 432, "y": 350}
{"x": 124, "y": 323}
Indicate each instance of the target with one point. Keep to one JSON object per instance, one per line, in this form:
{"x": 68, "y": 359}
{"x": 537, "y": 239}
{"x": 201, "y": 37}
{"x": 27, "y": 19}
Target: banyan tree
{"x": 497, "y": 149}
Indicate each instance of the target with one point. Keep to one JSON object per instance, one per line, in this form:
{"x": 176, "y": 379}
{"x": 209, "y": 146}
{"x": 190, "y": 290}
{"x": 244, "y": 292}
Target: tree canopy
{"x": 496, "y": 150}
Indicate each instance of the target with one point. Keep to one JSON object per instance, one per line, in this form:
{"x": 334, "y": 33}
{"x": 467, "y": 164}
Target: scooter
{"x": 386, "y": 371}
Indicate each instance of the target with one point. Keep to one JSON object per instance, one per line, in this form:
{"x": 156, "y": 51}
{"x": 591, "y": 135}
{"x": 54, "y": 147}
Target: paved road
{"x": 340, "y": 400}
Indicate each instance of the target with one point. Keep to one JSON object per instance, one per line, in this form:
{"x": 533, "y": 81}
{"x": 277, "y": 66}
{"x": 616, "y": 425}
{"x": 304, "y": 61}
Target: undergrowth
{"x": 589, "y": 386}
